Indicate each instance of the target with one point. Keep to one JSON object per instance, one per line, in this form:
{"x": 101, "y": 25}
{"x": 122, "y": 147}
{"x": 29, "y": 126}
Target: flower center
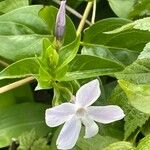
{"x": 81, "y": 112}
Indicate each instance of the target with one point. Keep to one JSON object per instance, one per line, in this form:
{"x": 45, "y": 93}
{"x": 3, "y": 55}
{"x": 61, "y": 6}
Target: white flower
{"x": 73, "y": 115}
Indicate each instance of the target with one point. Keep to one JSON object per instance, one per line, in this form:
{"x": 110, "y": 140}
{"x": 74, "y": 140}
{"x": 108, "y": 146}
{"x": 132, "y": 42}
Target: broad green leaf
{"x": 115, "y": 130}
{"x": 141, "y": 9}
{"x": 21, "y": 118}
{"x": 6, "y": 99}
{"x": 138, "y": 95}
{"x": 122, "y": 8}
{"x": 27, "y": 16}
{"x": 23, "y": 94}
{"x": 120, "y": 146}
{"x": 94, "y": 34}
{"x": 141, "y": 24}
{"x": 134, "y": 118}
{"x": 67, "y": 53}
{"x": 17, "y": 95}
{"x": 8, "y": 5}
{"x": 49, "y": 15}
{"x": 133, "y": 40}
{"x": 84, "y": 66}
{"x": 25, "y": 30}
{"x": 144, "y": 144}
{"x": 119, "y": 55}
{"x": 20, "y": 69}
{"x": 138, "y": 72}
{"x": 146, "y": 52}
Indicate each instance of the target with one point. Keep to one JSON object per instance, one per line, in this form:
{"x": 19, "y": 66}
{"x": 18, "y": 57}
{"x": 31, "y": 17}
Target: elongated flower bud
{"x": 60, "y": 21}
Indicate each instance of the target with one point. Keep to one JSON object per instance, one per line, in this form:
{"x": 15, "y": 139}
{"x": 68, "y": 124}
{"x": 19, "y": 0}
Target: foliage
{"x": 115, "y": 49}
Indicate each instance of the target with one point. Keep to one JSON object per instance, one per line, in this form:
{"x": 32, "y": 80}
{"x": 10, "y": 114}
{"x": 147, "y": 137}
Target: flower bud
{"x": 60, "y": 21}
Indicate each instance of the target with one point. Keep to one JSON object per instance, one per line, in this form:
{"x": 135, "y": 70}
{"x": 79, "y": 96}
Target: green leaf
{"x": 119, "y": 55}
{"x": 7, "y": 98}
{"x": 21, "y": 68}
{"x": 146, "y": 52}
{"x": 146, "y": 128}
{"x": 26, "y": 140}
{"x": 138, "y": 95}
{"x": 138, "y": 72}
{"x": 132, "y": 40}
{"x": 134, "y": 118}
{"x": 67, "y": 53}
{"x": 94, "y": 34}
{"x": 141, "y": 9}
{"x": 121, "y": 8}
{"x": 8, "y": 5}
{"x": 21, "y": 118}
{"x": 84, "y": 66}
{"x": 17, "y": 95}
{"x": 25, "y": 30}
{"x": 144, "y": 144}
{"x": 141, "y": 24}
{"x": 120, "y": 146}
{"x": 49, "y": 15}
{"x": 31, "y": 140}
{"x": 40, "y": 144}
{"x": 114, "y": 130}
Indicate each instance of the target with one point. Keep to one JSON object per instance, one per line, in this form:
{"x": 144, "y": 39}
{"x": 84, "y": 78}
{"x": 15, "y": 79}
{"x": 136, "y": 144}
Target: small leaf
{"x": 67, "y": 53}
{"x": 31, "y": 140}
{"x": 27, "y": 139}
{"x": 40, "y": 144}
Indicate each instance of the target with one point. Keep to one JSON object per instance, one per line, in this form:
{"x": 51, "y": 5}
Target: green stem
{"x": 85, "y": 15}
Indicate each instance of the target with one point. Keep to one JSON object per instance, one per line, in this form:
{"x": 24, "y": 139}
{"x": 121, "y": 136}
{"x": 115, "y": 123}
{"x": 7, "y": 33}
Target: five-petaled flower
{"x": 74, "y": 114}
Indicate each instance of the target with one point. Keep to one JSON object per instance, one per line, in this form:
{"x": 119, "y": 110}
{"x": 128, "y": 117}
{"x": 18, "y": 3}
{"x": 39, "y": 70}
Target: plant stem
{"x": 85, "y": 15}
{"x": 94, "y": 12}
{"x": 74, "y": 12}
{"x": 16, "y": 84}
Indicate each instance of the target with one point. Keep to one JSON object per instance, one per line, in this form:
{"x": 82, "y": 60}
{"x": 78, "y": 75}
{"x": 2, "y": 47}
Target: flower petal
{"x": 69, "y": 134}
{"x": 59, "y": 114}
{"x": 105, "y": 114}
{"x": 88, "y": 93}
{"x": 91, "y": 128}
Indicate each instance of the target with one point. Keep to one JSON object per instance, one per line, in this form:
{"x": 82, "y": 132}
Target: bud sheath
{"x": 60, "y": 21}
